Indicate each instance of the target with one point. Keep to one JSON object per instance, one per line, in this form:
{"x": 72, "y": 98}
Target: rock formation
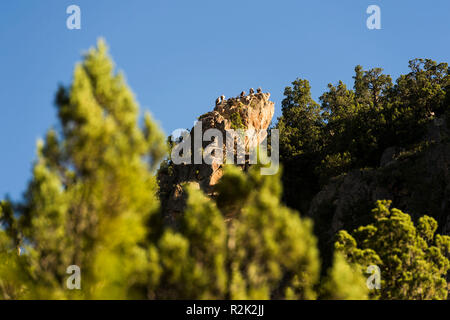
{"x": 248, "y": 113}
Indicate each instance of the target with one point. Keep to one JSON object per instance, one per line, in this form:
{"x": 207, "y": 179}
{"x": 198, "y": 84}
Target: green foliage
{"x": 344, "y": 281}
{"x": 300, "y": 128}
{"x": 92, "y": 191}
{"x": 273, "y": 251}
{"x": 193, "y": 259}
{"x": 413, "y": 260}
{"x": 263, "y": 252}
{"x": 248, "y": 246}
{"x": 352, "y": 128}
{"x": 10, "y": 262}
{"x": 92, "y": 203}
{"x": 236, "y": 121}
{"x": 334, "y": 165}
{"x": 92, "y": 200}
{"x": 300, "y": 122}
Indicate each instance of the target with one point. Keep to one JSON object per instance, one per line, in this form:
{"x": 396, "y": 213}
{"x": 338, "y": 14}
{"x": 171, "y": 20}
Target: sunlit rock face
{"x": 251, "y": 113}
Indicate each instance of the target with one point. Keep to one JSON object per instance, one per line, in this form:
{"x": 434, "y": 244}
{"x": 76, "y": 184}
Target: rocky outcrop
{"x": 416, "y": 180}
{"x": 252, "y": 113}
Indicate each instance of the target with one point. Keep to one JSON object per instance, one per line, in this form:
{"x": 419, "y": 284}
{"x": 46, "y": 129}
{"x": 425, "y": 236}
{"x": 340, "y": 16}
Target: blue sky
{"x": 178, "y": 56}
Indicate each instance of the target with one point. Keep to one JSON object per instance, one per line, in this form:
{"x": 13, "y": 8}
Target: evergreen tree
{"x": 355, "y": 128}
{"x": 344, "y": 281}
{"x": 92, "y": 201}
{"x": 192, "y": 259}
{"x": 413, "y": 259}
{"x": 416, "y": 98}
{"x": 273, "y": 252}
{"x": 92, "y": 192}
{"x": 300, "y": 122}
{"x": 300, "y": 144}
{"x": 247, "y": 246}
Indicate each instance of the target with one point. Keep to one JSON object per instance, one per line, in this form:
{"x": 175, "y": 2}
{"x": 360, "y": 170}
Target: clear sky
{"x": 179, "y": 55}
